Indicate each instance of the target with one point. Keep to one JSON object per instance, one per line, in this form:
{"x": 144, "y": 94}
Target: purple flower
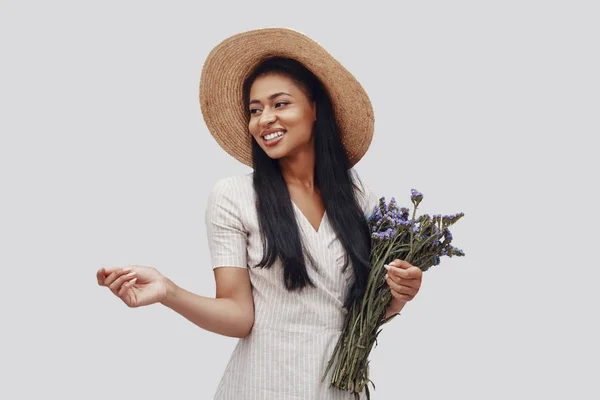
{"x": 383, "y": 205}
{"x": 405, "y": 212}
{"x": 454, "y": 251}
{"x": 416, "y": 197}
{"x": 388, "y": 234}
{"x": 447, "y": 235}
{"x": 450, "y": 219}
{"x": 375, "y": 217}
{"x": 425, "y": 218}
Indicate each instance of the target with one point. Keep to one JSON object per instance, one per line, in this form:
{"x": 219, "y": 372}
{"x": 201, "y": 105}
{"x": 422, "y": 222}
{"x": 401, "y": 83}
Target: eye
{"x": 253, "y": 111}
{"x": 281, "y": 102}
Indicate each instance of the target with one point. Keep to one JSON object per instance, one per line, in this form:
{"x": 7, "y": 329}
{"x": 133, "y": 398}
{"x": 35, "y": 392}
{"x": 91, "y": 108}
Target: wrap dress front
{"x": 294, "y": 333}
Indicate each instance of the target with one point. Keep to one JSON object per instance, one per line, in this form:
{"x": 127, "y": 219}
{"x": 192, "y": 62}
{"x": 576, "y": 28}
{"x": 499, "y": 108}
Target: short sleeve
{"x": 227, "y": 238}
{"x": 367, "y": 198}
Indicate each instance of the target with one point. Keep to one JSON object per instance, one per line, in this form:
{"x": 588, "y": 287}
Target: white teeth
{"x": 273, "y": 135}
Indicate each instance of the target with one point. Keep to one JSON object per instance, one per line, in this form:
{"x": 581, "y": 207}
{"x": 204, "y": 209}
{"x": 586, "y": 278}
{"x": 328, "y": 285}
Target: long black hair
{"x": 332, "y": 178}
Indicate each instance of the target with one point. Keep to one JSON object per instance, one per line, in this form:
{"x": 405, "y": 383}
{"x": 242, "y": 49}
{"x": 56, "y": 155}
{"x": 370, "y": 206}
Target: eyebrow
{"x": 271, "y": 97}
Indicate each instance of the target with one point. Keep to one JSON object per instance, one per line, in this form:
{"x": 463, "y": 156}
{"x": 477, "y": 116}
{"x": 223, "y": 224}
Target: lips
{"x": 272, "y": 130}
{"x": 274, "y": 137}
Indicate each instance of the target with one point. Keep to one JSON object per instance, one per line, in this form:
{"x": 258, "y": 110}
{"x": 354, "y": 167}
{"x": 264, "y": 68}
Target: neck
{"x": 299, "y": 169}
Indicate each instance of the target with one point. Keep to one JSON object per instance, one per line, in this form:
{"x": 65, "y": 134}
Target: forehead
{"x": 265, "y": 85}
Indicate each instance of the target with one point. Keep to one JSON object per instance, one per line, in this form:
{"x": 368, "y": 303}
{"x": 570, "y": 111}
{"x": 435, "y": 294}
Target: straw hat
{"x": 232, "y": 60}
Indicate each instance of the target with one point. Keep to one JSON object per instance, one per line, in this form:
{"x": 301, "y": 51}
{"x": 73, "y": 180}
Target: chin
{"x": 276, "y": 154}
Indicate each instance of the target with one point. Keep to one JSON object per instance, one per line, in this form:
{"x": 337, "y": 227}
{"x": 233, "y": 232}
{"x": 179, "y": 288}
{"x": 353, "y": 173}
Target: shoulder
{"x": 233, "y": 181}
{"x": 231, "y": 191}
{"x": 366, "y": 197}
{"x": 232, "y": 185}
{"x": 359, "y": 185}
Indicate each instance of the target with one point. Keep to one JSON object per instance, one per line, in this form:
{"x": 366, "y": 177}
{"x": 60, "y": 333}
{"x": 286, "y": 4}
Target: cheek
{"x": 252, "y": 128}
{"x": 302, "y": 122}
{"x": 307, "y": 128}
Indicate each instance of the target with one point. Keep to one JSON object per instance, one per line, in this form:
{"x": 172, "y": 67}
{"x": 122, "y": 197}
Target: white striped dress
{"x": 294, "y": 333}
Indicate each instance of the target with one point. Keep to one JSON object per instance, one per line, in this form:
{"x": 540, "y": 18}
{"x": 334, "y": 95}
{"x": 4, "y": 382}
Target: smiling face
{"x": 281, "y": 116}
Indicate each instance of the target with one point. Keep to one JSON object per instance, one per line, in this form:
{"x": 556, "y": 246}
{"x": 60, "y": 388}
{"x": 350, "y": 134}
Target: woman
{"x": 289, "y": 242}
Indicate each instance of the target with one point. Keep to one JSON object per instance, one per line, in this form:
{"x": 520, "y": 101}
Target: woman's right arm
{"x": 230, "y": 313}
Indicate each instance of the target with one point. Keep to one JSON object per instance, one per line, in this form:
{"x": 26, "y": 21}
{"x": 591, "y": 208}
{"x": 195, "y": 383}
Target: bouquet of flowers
{"x": 421, "y": 242}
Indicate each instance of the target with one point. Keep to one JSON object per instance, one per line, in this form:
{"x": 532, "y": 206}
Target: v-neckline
{"x": 312, "y": 228}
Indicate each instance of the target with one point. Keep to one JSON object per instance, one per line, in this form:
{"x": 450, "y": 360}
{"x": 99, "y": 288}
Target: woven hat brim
{"x": 231, "y": 61}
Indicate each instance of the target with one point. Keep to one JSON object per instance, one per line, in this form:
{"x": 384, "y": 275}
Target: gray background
{"x": 488, "y": 108}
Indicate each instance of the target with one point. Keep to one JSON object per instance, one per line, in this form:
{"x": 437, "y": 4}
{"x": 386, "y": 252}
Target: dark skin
{"x": 308, "y": 200}
{"x": 278, "y": 103}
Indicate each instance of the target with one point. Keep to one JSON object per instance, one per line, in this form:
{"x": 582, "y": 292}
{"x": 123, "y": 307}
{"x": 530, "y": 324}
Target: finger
{"x": 108, "y": 271}
{"x": 114, "y": 275}
{"x": 400, "y": 289}
{"x": 126, "y": 286}
{"x": 415, "y": 272}
{"x": 110, "y": 279}
{"x": 401, "y": 273}
{"x": 102, "y": 273}
{"x": 100, "y": 276}
{"x": 116, "y": 285}
{"x": 401, "y": 264}
{"x": 412, "y": 283}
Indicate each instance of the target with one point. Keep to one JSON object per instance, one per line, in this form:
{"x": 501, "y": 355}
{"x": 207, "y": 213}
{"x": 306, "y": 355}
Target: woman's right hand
{"x": 136, "y": 285}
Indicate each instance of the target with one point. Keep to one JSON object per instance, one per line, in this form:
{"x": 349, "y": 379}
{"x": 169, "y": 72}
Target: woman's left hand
{"x": 404, "y": 281}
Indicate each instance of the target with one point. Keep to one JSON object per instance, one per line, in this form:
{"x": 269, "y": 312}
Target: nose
{"x": 267, "y": 117}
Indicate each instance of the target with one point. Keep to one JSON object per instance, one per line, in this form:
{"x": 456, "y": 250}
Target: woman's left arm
{"x": 403, "y": 278}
